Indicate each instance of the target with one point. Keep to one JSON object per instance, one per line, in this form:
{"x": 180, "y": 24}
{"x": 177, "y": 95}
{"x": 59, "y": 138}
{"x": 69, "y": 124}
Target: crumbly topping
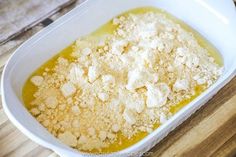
{"x": 121, "y": 83}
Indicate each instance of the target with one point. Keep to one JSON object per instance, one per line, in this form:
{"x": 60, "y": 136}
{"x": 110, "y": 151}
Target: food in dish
{"x": 110, "y": 89}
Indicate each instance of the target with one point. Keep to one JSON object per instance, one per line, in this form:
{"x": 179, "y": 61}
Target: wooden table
{"x": 211, "y": 131}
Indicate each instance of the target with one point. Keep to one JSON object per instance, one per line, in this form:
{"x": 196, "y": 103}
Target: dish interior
{"x": 109, "y": 28}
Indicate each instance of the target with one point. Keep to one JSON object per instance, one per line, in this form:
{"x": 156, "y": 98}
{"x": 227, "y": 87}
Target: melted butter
{"x": 122, "y": 142}
{"x": 29, "y": 89}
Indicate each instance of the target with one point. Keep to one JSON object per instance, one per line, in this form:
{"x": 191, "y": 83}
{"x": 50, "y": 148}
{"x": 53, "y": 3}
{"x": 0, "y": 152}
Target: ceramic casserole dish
{"x": 214, "y": 19}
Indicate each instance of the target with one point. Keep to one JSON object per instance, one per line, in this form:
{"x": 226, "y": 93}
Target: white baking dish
{"x": 214, "y": 19}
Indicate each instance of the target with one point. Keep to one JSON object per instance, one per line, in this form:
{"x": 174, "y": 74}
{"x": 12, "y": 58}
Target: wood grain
{"x": 210, "y": 132}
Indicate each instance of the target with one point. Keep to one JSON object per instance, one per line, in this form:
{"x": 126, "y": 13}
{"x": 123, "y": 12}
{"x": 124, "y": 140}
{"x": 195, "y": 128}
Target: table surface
{"x": 211, "y": 131}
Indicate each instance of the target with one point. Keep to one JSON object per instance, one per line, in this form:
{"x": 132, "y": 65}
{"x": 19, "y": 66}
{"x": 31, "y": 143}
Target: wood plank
{"x": 18, "y": 16}
{"x": 3, "y": 117}
{"x": 228, "y": 148}
{"x": 37, "y": 152}
{"x": 11, "y": 142}
{"x": 219, "y": 129}
{"x": 25, "y": 147}
{"x": 6, "y": 128}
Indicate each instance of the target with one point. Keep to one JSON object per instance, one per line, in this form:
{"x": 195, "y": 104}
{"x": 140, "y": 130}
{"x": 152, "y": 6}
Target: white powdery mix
{"x": 125, "y": 82}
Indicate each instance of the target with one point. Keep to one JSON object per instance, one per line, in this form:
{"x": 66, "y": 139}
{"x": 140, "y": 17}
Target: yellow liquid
{"x": 122, "y": 142}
